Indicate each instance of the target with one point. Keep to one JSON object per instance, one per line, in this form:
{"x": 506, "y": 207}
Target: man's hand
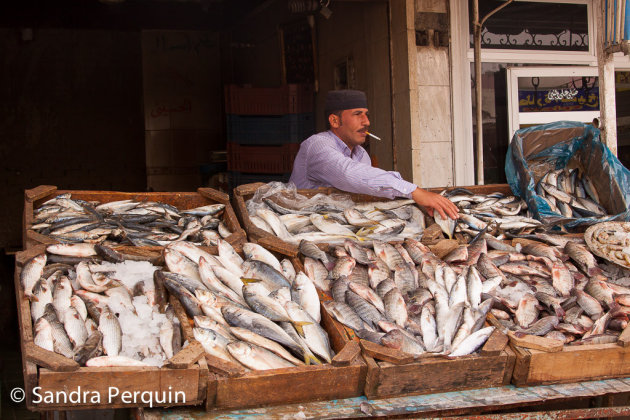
{"x": 433, "y": 201}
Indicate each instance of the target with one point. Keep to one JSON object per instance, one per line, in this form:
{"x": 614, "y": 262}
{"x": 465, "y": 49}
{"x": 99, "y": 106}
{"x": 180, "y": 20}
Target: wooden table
{"x": 561, "y": 401}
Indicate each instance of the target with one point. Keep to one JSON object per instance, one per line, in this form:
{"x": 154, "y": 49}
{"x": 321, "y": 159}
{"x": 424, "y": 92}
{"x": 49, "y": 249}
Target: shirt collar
{"x": 357, "y": 153}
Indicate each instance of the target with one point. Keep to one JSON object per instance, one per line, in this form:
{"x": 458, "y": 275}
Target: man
{"x": 336, "y": 158}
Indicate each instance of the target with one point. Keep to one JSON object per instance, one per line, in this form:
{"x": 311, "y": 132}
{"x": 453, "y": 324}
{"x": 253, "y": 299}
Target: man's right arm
{"x": 330, "y": 166}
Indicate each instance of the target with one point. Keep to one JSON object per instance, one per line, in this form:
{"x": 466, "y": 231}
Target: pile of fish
{"x": 145, "y": 223}
{"x": 257, "y": 312}
{"x": 390, "y": 221}
{"x": 611, "y": 241}
{"x": 402, "y": 296}
{"x": 570, "y": 194}
{"x": 492, "y": 212}
{"x": 332, "y": 223}
{"x": 99, "y": 313}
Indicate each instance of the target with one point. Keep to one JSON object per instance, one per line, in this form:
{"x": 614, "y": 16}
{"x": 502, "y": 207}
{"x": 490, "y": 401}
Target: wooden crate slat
{"x": 163, "y": 381}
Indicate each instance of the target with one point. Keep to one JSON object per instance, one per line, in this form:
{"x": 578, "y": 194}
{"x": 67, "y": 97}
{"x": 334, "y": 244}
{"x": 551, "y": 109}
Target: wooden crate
{"x": 392, "y": 373}
{"x": 572, "y": 364}
{"x": 245, "y": 192}
{"x": 33, "y": 198}
{"x": 62, "y": 375}
{"x": 343, "y": 378}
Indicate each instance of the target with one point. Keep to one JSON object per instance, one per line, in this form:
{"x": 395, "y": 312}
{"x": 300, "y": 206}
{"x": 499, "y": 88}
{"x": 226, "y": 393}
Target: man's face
{"x": 351, "y": 127}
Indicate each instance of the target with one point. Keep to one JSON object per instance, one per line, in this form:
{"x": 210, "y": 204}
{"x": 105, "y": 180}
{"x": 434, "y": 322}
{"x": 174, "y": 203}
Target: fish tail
{"x": 310, "y": 359}
{"x": 298, "y": 326}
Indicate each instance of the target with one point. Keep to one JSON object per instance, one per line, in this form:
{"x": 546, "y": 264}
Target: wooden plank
{"x": 624, "y": 338}
{"x": 372, "y": 377}
{"x": 440, "y": 375}
{"x": 292, "y": 385}
{"x": 108, "y": 387}
{"x": 223, "y": 367}
{"x": 521, "y": 366}
{"x": 509, "y": 367}
{"x": 215, "y": 195}
{"x": 443, "y": 247}
{"x": 211, "y": 392}
{"x": 350, "y": 351}
{"x": 536, "y": 343}
{"x": 247, "y": 189}
{"x": 273, "y": 243}
{"x": 39, "y": 192}
{"x": 594, "y": 362}
{"x": 385, "y": 353}
{"x": 204, "y": 380}
{"x": 495, "y": 345}
{"x": 48, "y": 359}
{"x": 187, "y": 356}
{"x": 180, "y": 312}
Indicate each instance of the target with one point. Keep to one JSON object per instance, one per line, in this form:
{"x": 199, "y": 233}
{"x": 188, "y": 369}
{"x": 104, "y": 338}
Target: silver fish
{"x": 256, "y": 358}
{"x": 112, "y": 333}
{"x": 31, "y": 273}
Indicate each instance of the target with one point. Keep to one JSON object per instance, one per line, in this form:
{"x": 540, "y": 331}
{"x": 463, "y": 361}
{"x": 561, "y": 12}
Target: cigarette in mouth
{"x": 372, "y": 135}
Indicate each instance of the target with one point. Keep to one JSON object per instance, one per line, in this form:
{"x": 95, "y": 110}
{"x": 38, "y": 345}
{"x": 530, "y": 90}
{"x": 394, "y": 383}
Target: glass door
{"x": 540, "y": 95}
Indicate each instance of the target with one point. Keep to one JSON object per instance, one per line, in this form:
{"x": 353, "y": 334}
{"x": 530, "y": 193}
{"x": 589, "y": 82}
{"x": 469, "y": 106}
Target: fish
{"x": 542, "y": 326}
{"x": 72, "y": 250}
{"x": 214, "y": 344}
{"x": 90, "y": 349}
{"x": 238, "y": 317}
{"x": 527, "y": 311}
{"x": 318, "y": 274}
{"x": 75, "y": 327}
{"x": 304, "y": 293}
{"x": 472, "y": 342}
{"x": 314, "y": 335}
{"x": 446, "y": 224}
{"x": 43, "y": 334}
{"x": 61, "y": 341}
{"x": 246, "y": 335}
{"x": 42, "y": 294}
{"x": 264, "y": 305}
{"x": 260, "y": 270}
{"x": 32, "y": 272}
{"x": 112, "y": 333}
{"x": 366, "y": 311}
{"x": 582, "y": 257}
{"x": 255, "y": 357}
{"x": 396, "y": 339}
{"x": 190, "y": 303}
{"x": 344, "y": 314}
{"x": 118, "y": 360}
{"x": 395, "y": 309}
{"x": 256, "y": 252}
{"x": 288, "y": 270}
{"x": 343, "y": 267}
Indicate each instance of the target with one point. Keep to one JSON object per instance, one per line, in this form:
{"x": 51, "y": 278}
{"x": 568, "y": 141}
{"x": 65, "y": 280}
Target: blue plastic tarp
{"x": 534, "y": 151}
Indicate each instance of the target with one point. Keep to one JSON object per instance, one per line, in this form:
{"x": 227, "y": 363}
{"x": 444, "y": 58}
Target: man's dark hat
{"x": 338, "y": 100}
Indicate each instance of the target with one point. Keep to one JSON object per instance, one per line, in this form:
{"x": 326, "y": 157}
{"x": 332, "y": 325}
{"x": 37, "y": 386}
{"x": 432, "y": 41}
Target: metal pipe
{"x": 477, "y": 26}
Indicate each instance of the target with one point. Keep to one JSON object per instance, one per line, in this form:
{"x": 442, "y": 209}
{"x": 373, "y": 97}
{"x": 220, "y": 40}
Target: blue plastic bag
{"x": 534, "y": 151}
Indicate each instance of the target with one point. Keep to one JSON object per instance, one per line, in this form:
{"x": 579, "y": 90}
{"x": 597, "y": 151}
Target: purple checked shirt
{"x": 325, "y": 161}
